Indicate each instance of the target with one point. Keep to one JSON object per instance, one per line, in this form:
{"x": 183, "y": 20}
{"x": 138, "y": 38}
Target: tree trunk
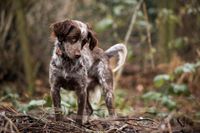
{"x": 23, "y": 39}
{"x": 166, "y": 29}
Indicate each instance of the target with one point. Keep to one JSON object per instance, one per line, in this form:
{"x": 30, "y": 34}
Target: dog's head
{"x": 71, "y": 36}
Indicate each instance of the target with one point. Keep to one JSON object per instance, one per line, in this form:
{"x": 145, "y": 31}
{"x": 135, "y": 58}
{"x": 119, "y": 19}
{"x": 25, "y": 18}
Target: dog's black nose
{"x": 77, "y": 56}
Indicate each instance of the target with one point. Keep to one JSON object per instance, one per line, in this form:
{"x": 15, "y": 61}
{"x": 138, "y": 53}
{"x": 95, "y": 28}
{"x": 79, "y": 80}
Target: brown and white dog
{"x": 79, "y": 64}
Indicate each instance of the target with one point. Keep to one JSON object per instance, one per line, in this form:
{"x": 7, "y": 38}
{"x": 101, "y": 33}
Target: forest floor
{"x": 12, "y": 121}
{"x": 135, "y": 113}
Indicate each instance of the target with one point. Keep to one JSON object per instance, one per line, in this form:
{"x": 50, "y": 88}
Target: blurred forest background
{"x": 162, "y": 70}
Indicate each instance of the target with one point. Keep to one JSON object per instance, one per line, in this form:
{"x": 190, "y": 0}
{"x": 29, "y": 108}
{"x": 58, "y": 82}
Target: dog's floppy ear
{"x": 92, "y": 39}
{"x": 61, "y": 29}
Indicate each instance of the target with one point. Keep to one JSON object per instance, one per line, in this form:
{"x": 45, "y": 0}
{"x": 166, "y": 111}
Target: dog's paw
{"x": 58, "y": 117}
{"x": 82, "y": 119}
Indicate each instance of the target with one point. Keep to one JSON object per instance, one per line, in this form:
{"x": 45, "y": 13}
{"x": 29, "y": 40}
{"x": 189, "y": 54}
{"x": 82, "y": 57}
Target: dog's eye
{"x": 72, "y": 40}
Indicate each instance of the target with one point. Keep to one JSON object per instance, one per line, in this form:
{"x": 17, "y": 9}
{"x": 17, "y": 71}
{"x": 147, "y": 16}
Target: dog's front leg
{"x": 82, "y": 99}
{"x": 88, "y": 109}
{"x": 55, "y": 96}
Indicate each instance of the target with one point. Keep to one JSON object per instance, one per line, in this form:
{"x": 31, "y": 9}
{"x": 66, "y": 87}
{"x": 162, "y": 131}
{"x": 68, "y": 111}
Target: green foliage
{"x": 168, "y": 15}
{"x": 14, "y": 98}
{"x": 178, "y": 89}
{"x": 152, "y": 110}
{"x": 168, "y": 83}
{"x": 152, "y": 95}
{"x": 167, "y": 87}
{"x": 11, "y": 96}
{"x": 104, "y": 24}
{"x": 162, "y": 79}
{"x": 118, "y": 10}
{"x": 159, "y": 97}
{"x": 168, "y": 102}
{"x": 187, "y": 68}
{"x": 113, "y": 21}
{"x": 68, "y": 102}
{"x": 34, "y": 103}
{"x": 178, "y": 43}
{"x": 48, "y": 101}
{"x": 31, "y": 105}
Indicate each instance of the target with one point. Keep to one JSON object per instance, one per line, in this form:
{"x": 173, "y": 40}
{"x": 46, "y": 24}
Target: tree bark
{"x": 166, "y": 29}
{"x": 23, "y": 39}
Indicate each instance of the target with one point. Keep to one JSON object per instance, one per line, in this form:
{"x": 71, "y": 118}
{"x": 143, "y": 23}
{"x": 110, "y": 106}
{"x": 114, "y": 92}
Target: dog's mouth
{"x": 74, "y": 57}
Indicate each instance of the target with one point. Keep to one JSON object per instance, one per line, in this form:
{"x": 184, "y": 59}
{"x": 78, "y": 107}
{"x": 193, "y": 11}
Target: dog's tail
{"x": 119, "y": 50}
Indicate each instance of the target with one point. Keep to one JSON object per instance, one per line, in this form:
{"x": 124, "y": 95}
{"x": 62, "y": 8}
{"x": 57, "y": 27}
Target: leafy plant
{"x": 11, "y": 96}
{"x": 31, "y": 105}
{"x": 68, "y": 101}
{"x": 159, "y": 97}
{"x": 167, "y": 86}
{"x": 178, "y": 43}
{"x": 104, "y": 24}
{"x": 187, "y": 68}
{"x": 168, "y": 102}
{"x": 162, "y": 79}
{"x": 178, "y": 89}
{"x": 152, "y": 95}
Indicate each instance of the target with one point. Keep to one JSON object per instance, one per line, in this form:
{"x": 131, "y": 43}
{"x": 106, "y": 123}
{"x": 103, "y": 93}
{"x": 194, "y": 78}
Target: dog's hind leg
{"x": 106, "y": 81}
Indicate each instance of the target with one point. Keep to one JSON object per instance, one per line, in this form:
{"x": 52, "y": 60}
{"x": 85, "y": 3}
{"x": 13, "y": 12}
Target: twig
{"x": 12, "y": 125}
{"x": 169, "y": 117}
{"x": 122, "y": 127}
{"x": 7, "y": 27}
{"x": 125, "y": 119}
{"x": 143, "y": 126}
{"x": 37, "y": 120}
{"x": 128, "y": 34}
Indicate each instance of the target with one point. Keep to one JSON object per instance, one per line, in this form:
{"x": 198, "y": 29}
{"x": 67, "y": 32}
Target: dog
{"x": 79, "y": 64}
